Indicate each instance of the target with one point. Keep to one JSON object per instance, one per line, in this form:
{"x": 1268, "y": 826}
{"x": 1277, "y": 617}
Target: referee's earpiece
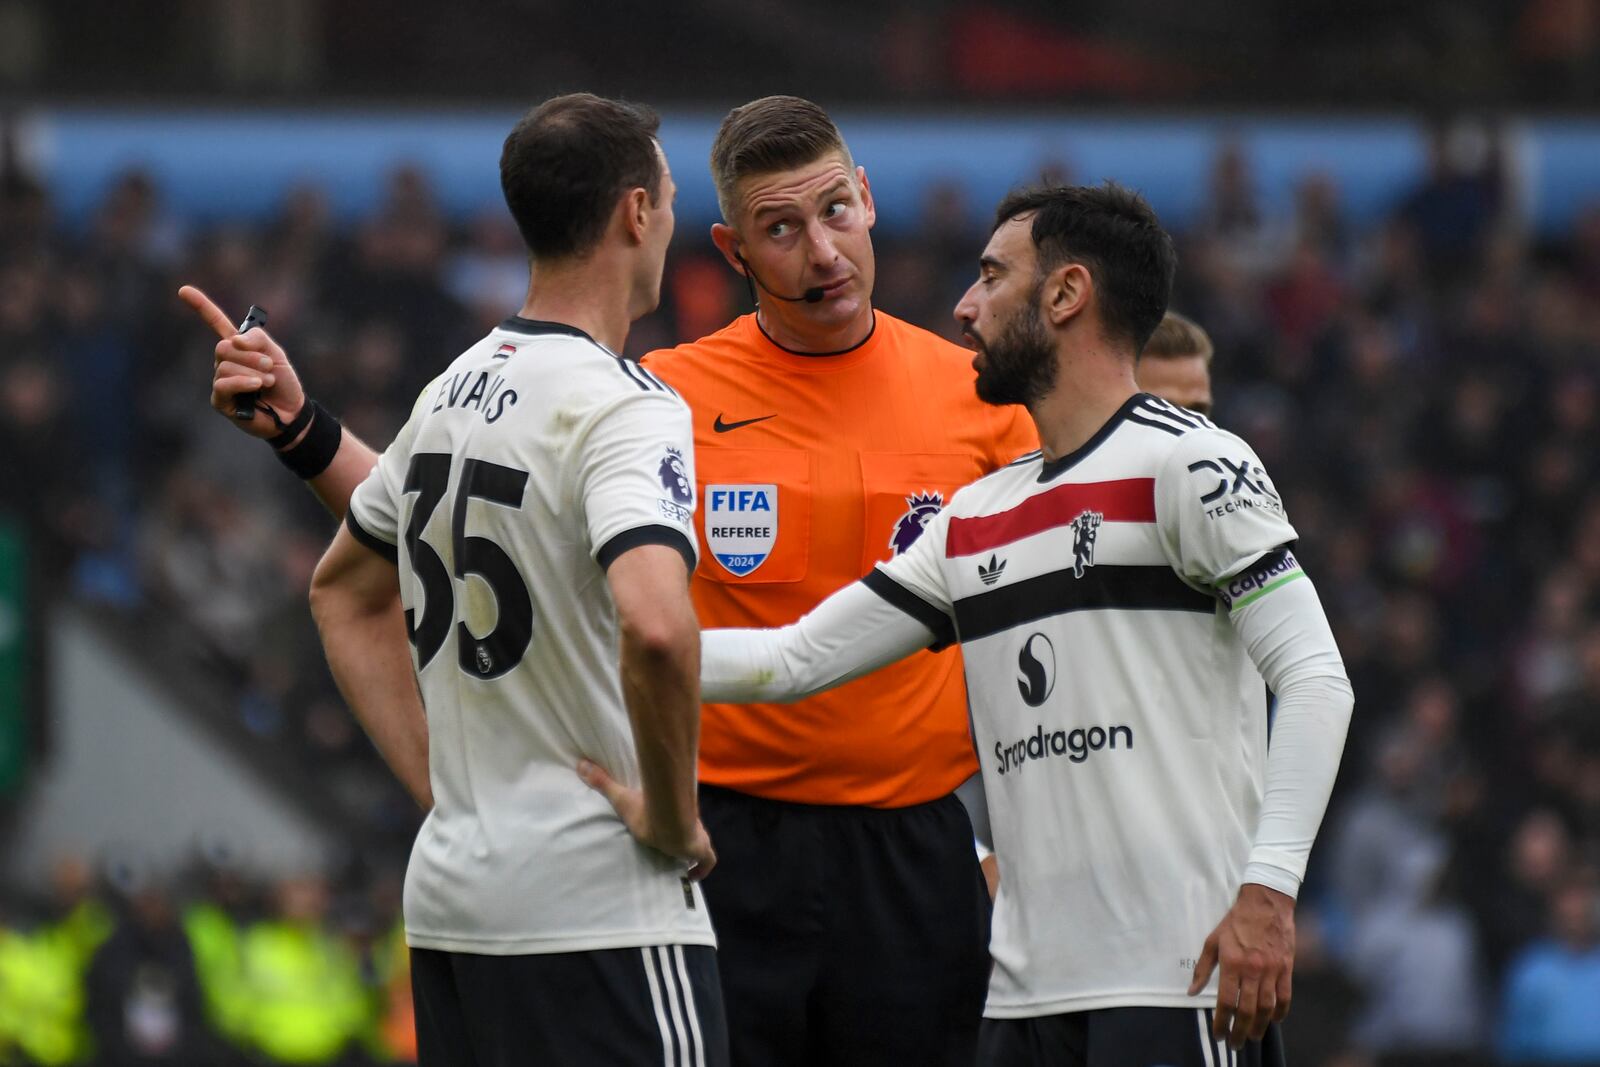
{"x": 745, "y": 270}
{"x": 810, "y": 296}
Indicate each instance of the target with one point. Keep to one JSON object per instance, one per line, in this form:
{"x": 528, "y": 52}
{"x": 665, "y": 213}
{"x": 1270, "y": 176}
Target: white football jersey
{"x": 1119, "y": 720}
{"x": 525, "y": 468}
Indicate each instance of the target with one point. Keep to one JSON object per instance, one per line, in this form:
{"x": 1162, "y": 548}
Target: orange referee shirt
{"x": 811, "y": 469}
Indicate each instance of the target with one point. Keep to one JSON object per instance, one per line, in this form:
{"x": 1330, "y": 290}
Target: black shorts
{"x": 627, "y": 1006}
{"x": 847, "y": 935}
{"x": 1120, "y": 1037}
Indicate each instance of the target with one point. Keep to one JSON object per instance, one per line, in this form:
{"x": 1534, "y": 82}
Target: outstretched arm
{"x": 853, "y": 632}
{"x": 254, "y": 362}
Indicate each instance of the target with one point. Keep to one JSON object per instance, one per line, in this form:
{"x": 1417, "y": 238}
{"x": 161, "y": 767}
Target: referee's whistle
{"x": 244, "y": 405}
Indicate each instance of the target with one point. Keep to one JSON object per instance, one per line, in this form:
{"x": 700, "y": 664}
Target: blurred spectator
{"x": 144, "y": 1004}
{"x": 491, "y": 273}
{"x": 1383, "y": 826}
{"x": 1586, "y": 251}
{"x": 306, "y": 1003}
{"x": 1319, "y": 222}
{"x": 1325, "y": 998}
{"x": 1234, "y": 218}
{"x": 1460, "y": 199}
{"x": 1558, "y": 42}
{"x": 213, "y": 925}
{"x": 43, "y": 478}
{"x": 1551, "y": 995}
{"x": 42, "y": 972}
{"x": 1415, "y": 953}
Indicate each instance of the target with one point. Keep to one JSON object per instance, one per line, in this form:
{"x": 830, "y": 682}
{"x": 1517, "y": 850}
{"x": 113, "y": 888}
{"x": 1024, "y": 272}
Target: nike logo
{"x": 723, "y": 427}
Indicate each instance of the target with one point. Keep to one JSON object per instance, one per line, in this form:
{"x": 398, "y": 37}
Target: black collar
{"x": 1055, "y": 468}
{"x": 841, "y": 352}
{"x": 518, "y": 324}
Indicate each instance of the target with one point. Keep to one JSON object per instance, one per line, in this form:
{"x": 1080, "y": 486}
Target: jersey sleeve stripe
{"x": 642, "y": 369}
{"x": 1157, "y": 406}
{"x": 370, "y": 539}
{"x": 1133, "y": 588}
{"x": 944, "y": 633}
{"x": 627, "y": 368}
{"x": 1126, "y": 500}
{"x": 1134, "y": 416}
{"x": 654, "y": 534}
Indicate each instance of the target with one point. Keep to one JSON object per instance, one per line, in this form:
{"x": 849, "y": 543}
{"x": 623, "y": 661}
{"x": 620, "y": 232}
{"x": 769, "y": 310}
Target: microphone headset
{"x": 812, "y": 295}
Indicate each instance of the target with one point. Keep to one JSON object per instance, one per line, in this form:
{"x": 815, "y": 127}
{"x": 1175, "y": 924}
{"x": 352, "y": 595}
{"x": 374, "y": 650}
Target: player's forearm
{"x": 852, "y": 633}
{"x": 1292, "y": 645}
{"x": 660, "y": 684}
{"x": 350, "y": 466}
{"x": 370, "y": 658}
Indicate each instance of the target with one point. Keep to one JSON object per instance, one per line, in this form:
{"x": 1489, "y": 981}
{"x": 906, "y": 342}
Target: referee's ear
{"x": 726, "y": 238}
{"x": 1067, "y": 293}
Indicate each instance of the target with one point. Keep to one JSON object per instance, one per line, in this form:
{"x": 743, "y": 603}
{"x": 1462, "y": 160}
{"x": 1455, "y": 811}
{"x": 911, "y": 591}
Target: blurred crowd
{"x": 1425, "y": 391}
{"x": 1354, "y": 53}
{"x": 114, "y": 967}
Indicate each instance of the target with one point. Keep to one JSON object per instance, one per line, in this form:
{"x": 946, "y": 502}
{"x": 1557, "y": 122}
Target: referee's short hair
{"x": 568, "y": 161}
{"x": 765, "y": 136}
{"x": 1178, "y": 337}
{"x": 1114, "y": 233}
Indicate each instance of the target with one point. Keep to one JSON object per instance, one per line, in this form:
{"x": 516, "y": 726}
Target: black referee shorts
{"x": 631, "y": 1007}
{"x": 1120, "y": 1037}
{"x": 847, "y": 935}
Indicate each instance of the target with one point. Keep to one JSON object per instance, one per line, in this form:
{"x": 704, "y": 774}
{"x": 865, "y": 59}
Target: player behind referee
{"x": 1119, "y": 598}
{"x": 532, "y": 518}
{"x": 1176, "y": 364}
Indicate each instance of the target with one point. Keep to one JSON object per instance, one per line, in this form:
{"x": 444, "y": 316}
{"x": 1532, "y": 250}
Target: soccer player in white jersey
{"x": 1119, "y": 596}
{"x": 531, "y": 519}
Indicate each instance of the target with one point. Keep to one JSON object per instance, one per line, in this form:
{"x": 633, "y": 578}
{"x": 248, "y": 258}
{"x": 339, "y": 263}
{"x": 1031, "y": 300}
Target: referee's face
{"x": 809, "y": 228}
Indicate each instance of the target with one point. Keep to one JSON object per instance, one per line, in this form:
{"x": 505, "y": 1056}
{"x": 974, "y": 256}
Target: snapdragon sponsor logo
{"x": 1268, "y": 573}
{"x": 1076, "y": 745}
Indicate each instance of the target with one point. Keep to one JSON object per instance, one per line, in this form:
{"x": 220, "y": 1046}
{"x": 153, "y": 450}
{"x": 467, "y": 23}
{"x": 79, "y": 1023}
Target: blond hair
{"x": 1178, "y": 337}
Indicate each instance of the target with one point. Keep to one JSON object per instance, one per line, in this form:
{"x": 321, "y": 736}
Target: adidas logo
{"x": 990, "y": 574}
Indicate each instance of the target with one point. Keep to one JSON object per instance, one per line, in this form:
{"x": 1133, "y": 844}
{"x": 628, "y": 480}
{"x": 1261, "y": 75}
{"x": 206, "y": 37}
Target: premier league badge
{"x": 673, "y": 477}
{"x": 923, "y": 507}
{"x": 741, "y": 525}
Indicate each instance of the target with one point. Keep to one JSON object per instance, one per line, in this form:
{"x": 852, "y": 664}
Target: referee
{"x": 851, "y": 914}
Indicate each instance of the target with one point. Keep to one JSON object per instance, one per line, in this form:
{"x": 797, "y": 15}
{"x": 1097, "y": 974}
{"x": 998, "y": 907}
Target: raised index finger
{"x": 208, "y": 311}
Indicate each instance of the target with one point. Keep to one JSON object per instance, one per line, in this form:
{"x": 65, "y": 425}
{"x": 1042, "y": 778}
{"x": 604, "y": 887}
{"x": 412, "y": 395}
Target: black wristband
{"x": 301, "y": 420}
{"x": 316, "y": 450}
